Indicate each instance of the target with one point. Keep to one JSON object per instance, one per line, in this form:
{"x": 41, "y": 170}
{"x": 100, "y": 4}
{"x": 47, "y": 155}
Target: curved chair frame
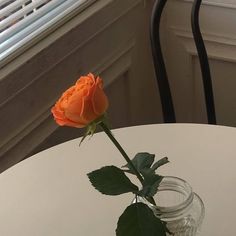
{"x": 160, "y": 69}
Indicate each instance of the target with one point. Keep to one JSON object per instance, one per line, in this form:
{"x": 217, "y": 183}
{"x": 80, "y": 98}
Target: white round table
{"x": 49, "y": 194}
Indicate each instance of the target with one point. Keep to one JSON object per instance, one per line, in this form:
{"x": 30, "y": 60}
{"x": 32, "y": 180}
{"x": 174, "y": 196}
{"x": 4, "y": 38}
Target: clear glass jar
{"x": 178, "y": 206}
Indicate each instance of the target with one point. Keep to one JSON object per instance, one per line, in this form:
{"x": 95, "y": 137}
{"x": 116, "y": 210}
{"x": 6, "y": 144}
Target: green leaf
{"x": 160, "y": 162}
{"x": 111, "y": 180}
{"x": 138, "y": 220}
{"x": 141, "y": 161}
{"x": 150, "y": 184}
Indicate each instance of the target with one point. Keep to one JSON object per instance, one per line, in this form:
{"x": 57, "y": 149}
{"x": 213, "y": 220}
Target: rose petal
{"x": 100, "y": 101}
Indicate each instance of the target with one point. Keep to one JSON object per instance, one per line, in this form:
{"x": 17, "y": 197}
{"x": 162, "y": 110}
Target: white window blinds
{"x": 23, "y": 20}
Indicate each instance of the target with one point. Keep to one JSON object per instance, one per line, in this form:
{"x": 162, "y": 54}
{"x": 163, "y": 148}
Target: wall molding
{"x": 219, "y": 47}
{"x": 39, "y": 126}
{"x": 120, "y": 62}
{"x": 79, "y": 45}
{"x": 215, "y": 4}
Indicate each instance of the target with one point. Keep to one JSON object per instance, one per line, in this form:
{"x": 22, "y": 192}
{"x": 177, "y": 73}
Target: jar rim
{"x": 168, "y": 183}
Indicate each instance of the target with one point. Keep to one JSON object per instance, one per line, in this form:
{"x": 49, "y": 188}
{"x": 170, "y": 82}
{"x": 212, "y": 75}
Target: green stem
{"x": 123, "y": 153}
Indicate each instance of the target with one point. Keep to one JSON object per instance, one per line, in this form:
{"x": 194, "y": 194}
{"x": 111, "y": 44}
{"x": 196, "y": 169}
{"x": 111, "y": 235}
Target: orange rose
{"x": 82, "y": 103}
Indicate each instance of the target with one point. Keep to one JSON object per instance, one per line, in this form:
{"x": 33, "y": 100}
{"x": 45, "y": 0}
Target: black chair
{"x": 159, "y": 65}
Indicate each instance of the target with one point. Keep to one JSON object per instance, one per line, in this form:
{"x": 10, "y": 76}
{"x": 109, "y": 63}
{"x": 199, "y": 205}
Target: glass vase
{"x": 178, "y": 206}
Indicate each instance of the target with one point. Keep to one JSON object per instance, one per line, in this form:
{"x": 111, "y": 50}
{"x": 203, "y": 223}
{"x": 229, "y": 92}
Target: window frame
{"x": 62, "y": 23}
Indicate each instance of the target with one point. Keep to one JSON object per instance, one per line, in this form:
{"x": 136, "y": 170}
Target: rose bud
{"x": 82, "y": 103}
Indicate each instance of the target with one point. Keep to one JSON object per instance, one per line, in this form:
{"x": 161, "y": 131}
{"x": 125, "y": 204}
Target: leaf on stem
{"x": 160, "y": 162}
{"x": 139, "y": 220}
{"x": 141, "y": 161}
{"x": 111, "y": 180}
{"x": 150, "y": 184}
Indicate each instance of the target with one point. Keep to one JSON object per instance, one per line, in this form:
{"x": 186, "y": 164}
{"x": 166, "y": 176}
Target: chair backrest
{"x": 160, "y": 69}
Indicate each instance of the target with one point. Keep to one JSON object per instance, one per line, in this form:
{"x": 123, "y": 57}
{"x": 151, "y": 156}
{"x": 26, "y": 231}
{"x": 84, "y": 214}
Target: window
{"x": 23, "y": 21}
